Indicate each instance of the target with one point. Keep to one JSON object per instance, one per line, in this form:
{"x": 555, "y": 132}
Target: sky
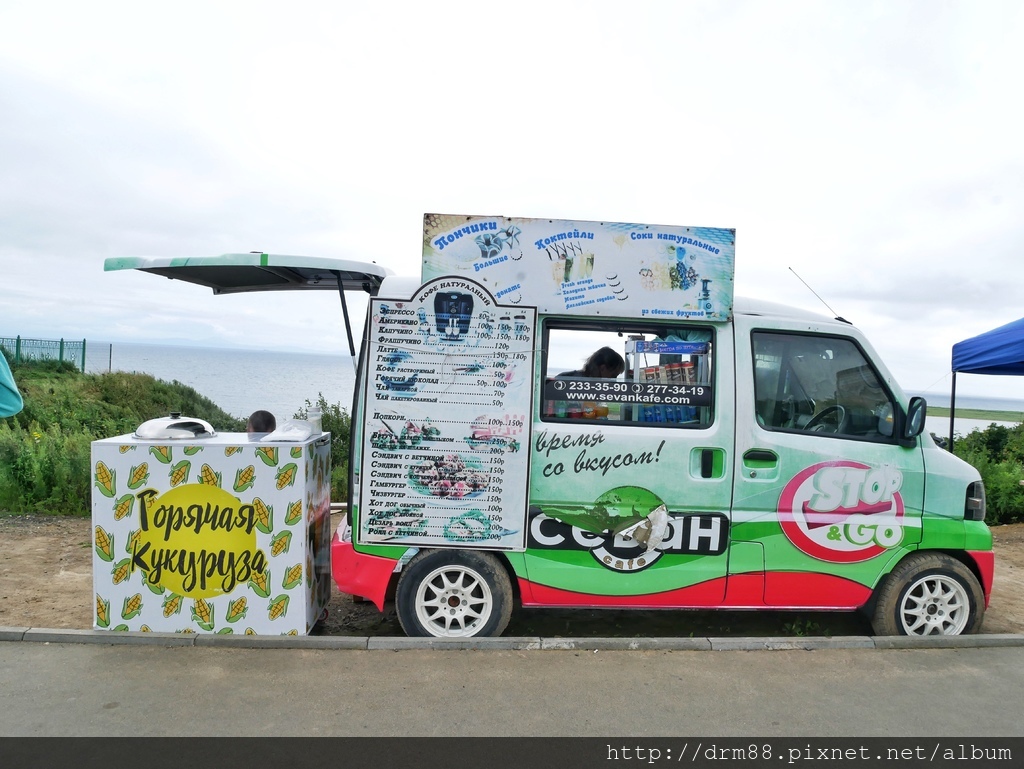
{"x": 871, "y": 148}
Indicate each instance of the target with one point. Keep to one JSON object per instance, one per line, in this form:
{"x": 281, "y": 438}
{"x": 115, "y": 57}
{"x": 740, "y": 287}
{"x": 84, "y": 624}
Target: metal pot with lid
{"x": 174, "y": 427}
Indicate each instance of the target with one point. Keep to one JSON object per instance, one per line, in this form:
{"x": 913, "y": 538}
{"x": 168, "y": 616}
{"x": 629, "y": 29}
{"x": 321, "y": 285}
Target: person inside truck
{"x": 261, "y": 421}
{"x": 605, "y": 363}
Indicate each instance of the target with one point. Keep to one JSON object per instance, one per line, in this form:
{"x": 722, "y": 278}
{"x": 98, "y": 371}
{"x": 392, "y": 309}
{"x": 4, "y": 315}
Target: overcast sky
{"x": 873, "y": 147}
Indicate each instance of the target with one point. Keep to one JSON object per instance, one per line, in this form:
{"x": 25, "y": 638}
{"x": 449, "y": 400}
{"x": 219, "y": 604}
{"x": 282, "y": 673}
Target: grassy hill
{"x": 45, "y": 464}
{"x": 44, "y": 450}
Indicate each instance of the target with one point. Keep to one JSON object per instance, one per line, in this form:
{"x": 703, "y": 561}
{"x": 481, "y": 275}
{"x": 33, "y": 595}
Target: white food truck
{"x": 738, "y": 454}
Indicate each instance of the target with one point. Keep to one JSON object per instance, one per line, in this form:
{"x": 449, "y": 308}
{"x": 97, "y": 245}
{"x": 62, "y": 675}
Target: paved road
{"x": 149, "y": 690}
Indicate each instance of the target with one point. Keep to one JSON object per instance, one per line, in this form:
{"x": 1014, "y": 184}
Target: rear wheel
{"x": 929, "y": 594}
{"x": 454, "y": 594}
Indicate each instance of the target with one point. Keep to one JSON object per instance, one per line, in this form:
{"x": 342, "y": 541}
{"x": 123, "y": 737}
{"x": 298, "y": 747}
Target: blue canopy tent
{"x": 999, "y": 351}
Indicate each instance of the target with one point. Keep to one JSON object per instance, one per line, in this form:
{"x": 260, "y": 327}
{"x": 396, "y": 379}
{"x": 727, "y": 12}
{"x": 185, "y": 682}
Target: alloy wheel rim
{"x": 935, "y": 605}
{"x": 453, "y": 602}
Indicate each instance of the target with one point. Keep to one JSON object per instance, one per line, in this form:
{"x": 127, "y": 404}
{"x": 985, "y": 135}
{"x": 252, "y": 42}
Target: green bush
{"x": 45, "y": 449}
{"x": 338, "y": 422}
{"x": 44, "y": 469}
{"x": 997, "y": 452}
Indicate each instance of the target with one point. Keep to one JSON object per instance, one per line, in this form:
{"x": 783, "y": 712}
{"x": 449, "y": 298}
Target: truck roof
{"x": 744, "y": 305}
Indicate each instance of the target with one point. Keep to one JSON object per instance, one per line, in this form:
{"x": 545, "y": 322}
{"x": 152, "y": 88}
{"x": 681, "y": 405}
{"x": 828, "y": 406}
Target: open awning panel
{"x": 238, "y": 273}
{"x": 999, "y": 351}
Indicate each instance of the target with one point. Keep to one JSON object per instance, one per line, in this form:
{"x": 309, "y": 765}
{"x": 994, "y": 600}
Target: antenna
{"x": 834, "y": 313}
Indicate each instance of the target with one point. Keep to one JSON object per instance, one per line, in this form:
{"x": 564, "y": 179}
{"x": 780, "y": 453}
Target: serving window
{"x": 636, "y": 374}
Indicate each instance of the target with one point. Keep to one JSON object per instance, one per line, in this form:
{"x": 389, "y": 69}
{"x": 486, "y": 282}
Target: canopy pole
{"x": 344, "y": 311}
{"x": 952, "y": 412}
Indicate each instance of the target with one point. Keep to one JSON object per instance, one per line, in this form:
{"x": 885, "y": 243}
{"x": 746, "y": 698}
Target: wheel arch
{"x": 435, "y": 597}
{"x": 965, "y": 557}
{"x": 513, "y": 577}
{"x": 944, "y": 589}
{"x": 499, "y": 555}
{"x": 968, "y": 560}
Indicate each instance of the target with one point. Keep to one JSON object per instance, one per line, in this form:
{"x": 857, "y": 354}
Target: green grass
{"x": 993, "y": 416}
{"x": 45, "y": 449}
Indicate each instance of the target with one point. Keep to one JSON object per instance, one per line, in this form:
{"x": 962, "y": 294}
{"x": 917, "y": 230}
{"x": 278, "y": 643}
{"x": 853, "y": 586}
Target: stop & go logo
{"x": 843, "y": 511}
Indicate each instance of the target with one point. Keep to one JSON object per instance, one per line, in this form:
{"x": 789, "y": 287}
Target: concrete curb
{"x": 528, "y": 643}
{"x": 114, "y": 637}
{"x": 801, "y": 643}
{"x": 396, "y": 643}
{"x": 281, "y": 641}
{"x": 13, "y": 633}
{"x": 626, "y": 644}
{"x": 949, "y": 642}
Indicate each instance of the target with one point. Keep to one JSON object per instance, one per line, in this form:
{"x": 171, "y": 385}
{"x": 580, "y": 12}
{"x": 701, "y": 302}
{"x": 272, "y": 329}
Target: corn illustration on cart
{"x": 213, "y": 533}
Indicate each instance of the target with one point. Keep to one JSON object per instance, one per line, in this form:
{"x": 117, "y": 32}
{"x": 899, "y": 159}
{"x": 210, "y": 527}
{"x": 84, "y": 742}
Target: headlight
{"x": 974, "y": 508}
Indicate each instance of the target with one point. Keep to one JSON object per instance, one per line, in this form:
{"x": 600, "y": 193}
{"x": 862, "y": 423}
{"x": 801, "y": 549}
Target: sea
{"x": 961, "y": 426}
{"x": 243, "y": 380}
{"x": 238, "y": 380}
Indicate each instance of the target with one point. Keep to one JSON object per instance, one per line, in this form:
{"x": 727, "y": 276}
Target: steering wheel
{"x": 819, "y": 422}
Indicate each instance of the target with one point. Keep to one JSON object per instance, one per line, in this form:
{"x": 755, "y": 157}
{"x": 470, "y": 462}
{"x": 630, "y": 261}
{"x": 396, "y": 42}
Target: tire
{"x": 454, "y": 594}
{"x": 929, "y": 594}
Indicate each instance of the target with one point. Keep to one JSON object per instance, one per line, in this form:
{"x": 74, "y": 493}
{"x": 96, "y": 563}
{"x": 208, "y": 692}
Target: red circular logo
{"x": 843, "y": 511}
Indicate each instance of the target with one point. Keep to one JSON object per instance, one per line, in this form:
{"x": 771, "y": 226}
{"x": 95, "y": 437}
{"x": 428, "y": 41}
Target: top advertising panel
{"x": 570, "y": 267}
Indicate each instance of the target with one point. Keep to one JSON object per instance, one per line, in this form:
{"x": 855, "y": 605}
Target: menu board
{"x": 446, "y": 432}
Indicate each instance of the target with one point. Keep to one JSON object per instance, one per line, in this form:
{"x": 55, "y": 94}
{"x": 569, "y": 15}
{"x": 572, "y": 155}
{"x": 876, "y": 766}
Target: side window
{"x": 820, "y": 384}
{"x": 632, "y": 374}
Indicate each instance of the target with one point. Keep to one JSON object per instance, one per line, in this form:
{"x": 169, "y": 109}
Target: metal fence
{"x": 21, "y": 349}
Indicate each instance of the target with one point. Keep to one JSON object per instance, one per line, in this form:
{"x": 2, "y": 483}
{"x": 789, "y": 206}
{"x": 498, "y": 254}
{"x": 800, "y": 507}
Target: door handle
{"x": 760, "y": 457}
{"x": 707, "y": 463}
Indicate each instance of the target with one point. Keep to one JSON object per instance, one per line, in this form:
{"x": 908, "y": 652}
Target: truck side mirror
{"x": 914, "y": 423}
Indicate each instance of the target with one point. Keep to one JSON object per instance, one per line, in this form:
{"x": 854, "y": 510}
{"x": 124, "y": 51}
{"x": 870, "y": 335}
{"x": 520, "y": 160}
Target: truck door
{"x": 631, "y": 476}
{"x": 821, "y": 482}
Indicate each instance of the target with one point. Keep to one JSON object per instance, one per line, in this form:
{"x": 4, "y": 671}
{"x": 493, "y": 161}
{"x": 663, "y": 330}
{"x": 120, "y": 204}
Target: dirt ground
{"x": 46, "y": 582}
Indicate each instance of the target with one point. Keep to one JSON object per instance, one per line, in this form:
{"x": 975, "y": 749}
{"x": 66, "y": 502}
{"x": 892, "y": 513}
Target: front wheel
{"x": 454, "y": 594}
{"x": 929, "y": 594}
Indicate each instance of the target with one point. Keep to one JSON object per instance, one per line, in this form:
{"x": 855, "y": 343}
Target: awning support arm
{"x": 344, "y": 311}
{"x": 952, "y": 412}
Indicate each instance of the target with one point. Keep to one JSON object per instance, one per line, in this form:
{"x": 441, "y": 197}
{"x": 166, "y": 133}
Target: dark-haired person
{"x": 603, "y": 364}
{"x": 261, "y": 422}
